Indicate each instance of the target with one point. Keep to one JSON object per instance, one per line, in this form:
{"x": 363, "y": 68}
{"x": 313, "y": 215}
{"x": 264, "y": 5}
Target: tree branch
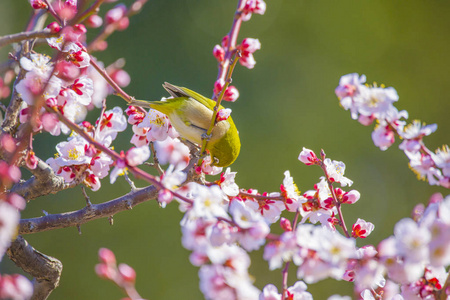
{"x": 46, "y": 269}
{"x": 88, "y": 213}
{"x": 17, "y": 37}
{"x": 44, "y": 182}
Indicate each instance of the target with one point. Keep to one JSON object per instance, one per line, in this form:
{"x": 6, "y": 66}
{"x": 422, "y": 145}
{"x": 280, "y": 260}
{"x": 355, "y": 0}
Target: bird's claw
{"x": 206, "y": 136}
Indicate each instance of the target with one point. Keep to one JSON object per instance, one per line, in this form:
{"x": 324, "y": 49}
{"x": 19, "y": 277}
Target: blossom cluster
{"x": 78, "y": 159}
{"x": 370, "y": 103}
{"x": 224, "y": 52}
{"x": 69, "y": 85}
{"x": 11, "y": 286}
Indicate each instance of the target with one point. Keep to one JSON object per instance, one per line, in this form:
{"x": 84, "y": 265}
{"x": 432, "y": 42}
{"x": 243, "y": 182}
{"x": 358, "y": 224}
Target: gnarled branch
{"x": 45, "y": 269}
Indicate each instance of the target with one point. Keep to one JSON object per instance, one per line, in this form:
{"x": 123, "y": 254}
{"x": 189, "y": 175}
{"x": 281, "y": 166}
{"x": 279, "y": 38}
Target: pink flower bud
{"x": 105, "y": 271}
{"x": 127, "y": 273}
{"x": 121, "y": 77}
{"x": 165, "y": 196}
{"x": 417, "y": 212}
{"x": 7, "y": 143}
{"x": 79, "y": 28}
{"x": 218, "y": 86}
{"x": 38, "y": 4}
{"x": 351, "y": 197}
{"x": 308, "y": 157}
{"x": 366, "y": 120}
{"x": 219, "y": 53}
{"x": 106, "y": 256}
{"x": 24, "y": 115}
{"x": 231, "y": 94}
{"x": 225, "y": 40}
{"x": 16, "y": 201}
{"x": 115, "y": 14}
{"x": 31, "y": 160}
{"x": 51, "y": 102}
{"x": 250, "y": 45}
{"x": 100, "y": 46}
{"x": 285, "y": 224}
{"x": 94, "y": 21}
{"x": 54, "y": 27}
{"x": 49, "y": 122}
{"x": 223, "y": 114}
{"x": 123, "y": 23}
{"x": 67, "y": 10}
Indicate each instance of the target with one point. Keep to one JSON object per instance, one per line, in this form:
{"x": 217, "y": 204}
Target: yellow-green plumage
{"x": 191, "y": 113}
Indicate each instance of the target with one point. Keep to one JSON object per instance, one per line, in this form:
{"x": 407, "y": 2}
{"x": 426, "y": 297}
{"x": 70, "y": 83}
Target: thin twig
{"x": 17, "y": 37}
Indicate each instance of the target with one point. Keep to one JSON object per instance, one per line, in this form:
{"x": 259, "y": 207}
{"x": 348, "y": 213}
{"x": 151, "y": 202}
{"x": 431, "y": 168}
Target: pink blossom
{"x": 362, "y": 229}
{"x": 270, "y": 292}
{"x": 16, "y": 287}
{"x": 208, "y": 168}
{"x": 335, "y": 170}
{"x": 308, "y": 157}
{"x": 223, "y": 114}
{"x": 351, "y": 197}
{"x": 159, "y": 127}
{"x": 172, "y": 151}
{"x": 9, "y": 219}
{"x": 383, "y": 137}
{"x": 112, "y": 122}
{"x": 227, "y": 183}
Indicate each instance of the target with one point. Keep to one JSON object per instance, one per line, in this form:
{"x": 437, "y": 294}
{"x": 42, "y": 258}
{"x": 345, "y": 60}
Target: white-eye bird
{"x": 191, "y": 113}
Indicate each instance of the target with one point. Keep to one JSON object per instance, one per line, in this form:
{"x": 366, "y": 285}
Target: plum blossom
{"x": 172, "y": 151}
{"x": 227, "y": 183}
{"x": 335, "y": 170}
{"x": 209, "y": 203}
{"x": 157, "y": 126}
{"x": 308, "y": 157}
{"x": 9, "y": 218}
{"x": 281, "y": 250}
{"x": 268, "y": 208}
{"x": 133, "y": 157}
{"x": 412, "y": 135}
{"x": 208, "y": 168}
{"x": 290, "y": 192}
{"x": 362, "y": 228}
{"x": 112, "y": 122}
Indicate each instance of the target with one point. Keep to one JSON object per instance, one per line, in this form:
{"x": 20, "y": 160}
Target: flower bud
{"x": 54, "y": 27}
{"x": 308, "y": 157}
{"x": 94, "y": 21}
{"x": 127, "y": 273}
{"x": 231, "y": 94}
{"x": 106, "y": 256}
{"x": 285, "y": 224}
{"x": 219, "y": 53}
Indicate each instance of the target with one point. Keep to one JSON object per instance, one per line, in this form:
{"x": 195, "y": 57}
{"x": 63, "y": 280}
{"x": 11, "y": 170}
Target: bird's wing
{"x": 176, "y": 91}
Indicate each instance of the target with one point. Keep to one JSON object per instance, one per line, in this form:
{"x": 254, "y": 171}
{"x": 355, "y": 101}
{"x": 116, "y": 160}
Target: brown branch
{"x": 17, "y": 37}
{"x": 44, "y": 182}
{"x": 88, "y": 213}
{"x": 46, "y": 269}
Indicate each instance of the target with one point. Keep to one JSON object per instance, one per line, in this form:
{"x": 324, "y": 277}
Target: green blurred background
{"x": 287, "y": 102}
